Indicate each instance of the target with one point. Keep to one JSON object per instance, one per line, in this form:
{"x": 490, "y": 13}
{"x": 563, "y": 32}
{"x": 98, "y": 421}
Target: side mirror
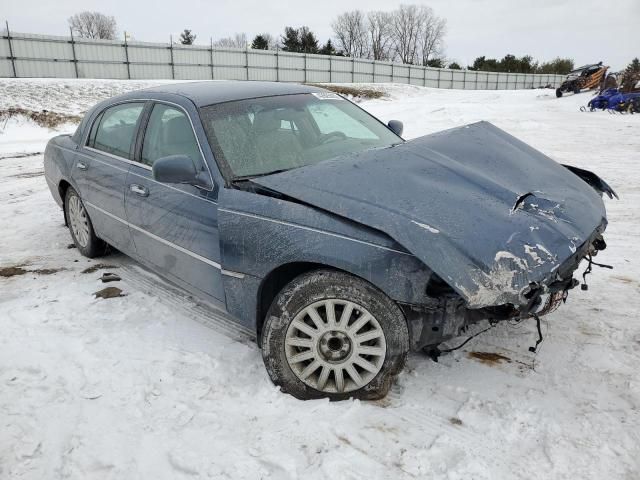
{"x": 175, "y": 169}
{"x": 396, "y": 127}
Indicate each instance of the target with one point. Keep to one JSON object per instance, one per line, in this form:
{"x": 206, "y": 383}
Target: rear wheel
{"x": 80, "y": 226}
{"x": 558, "y": 92}
{"x": 329, "y": 334}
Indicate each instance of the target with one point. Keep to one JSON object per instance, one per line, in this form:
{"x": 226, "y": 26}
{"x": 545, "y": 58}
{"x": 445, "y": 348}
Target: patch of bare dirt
{"x": 455, "y": 421}
{"x": 109, "y": 292}
{"x": 44, "y": 118}
{"x": 489, "y": 358}
{"x": 21, "y": 155}
{"x": 20, "y": 270}
{"x": 12, "y": 271}
{"x": 98, "y": 266}
{"x": 358, "y": 92}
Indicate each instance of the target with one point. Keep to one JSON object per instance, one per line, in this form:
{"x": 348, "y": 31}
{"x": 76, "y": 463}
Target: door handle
{"x": 81, "y": 165}
{"x": 139, "y": 190}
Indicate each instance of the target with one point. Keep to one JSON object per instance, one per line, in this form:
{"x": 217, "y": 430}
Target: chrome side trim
{"x": 157, "y": 238}
{"x": 116, "y": 157}
{"x": 289, "y": 224}
{"x": 231, "y": 273}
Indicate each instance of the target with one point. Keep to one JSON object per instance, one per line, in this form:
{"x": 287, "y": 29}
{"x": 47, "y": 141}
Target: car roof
{"x": 218, "y": 91}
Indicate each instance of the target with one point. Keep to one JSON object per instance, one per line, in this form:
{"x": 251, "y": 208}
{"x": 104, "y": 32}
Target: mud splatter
{"x": 489, "y": 358}
{"x": 98, "y": 266}
{"x": 109, "y": 292}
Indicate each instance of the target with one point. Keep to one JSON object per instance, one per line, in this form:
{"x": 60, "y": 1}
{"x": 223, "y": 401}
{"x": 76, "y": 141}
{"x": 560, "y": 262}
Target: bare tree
{"x": 431, "y": 38}
{"x": 406, "y": 25}
{"x": 239, "y": 40}
{"x": 351, "y": 33}
{"x": 93, "y": 25}
{"x": 379, "y": 32}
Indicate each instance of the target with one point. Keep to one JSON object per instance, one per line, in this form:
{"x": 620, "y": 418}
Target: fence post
{"x": 126, "y": 56}
{"x": 330, "y": 69}
{"x": 305, "y": 67}
{"x": 373, "y": 63}
{"x": 211, "y": 55}
{"x": 409, "y": 79}
{"x": 246, "y": 61}
{"x": 13, "y": 59}
{"x": 439, "y": 72}
{"x": 353, "y": 69}
{"x": 73, "y": 51}
{"x": 424, "y": 76}
{"x": 392, "y": 73}
{"x": 173, "y": 69}
{"x": 277, "y": 64}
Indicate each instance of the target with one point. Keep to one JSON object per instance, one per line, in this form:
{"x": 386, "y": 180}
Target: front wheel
{"x": 80, "y": 226}
{"x": 329, "y": 334}
{"x": 558, "y": 92}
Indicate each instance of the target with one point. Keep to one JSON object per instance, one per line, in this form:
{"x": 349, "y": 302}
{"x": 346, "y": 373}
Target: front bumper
{"x": 447, "y": 316}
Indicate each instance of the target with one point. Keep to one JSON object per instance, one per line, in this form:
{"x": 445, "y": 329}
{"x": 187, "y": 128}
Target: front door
{"x": 174, "y": 226}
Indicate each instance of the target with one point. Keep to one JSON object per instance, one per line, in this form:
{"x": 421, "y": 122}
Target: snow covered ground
{"x": 152, "y": 386}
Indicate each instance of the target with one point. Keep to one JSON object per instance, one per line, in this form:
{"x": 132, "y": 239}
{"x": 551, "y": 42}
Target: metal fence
{"x": 32, "y": 55}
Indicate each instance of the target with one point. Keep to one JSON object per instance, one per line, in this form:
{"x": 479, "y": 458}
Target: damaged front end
{"x": 447, "y": 315}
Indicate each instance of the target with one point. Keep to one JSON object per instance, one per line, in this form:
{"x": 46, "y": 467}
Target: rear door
{"x": 101, "y": 169}
{"x": 174, "y": 226}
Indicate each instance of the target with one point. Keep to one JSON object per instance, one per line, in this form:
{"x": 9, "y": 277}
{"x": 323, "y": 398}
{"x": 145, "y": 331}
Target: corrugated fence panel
{"x": 227, "y": 58}
{"x": 94, "y": 51}
{"x": 192, "y": 72}
{"x": 192, "y": 56}
{"x": 229, "y": 73}
{"x": 53, "y": 56}
{"x": 102, "y": 70}
{"x": 38, "y": 68}
{"x": 150, "y": 72}
{"x": 6, "y": 70}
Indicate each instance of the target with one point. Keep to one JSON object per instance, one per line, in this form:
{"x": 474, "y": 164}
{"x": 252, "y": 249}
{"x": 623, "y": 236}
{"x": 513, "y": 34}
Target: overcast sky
{"x": 586, "y": 30}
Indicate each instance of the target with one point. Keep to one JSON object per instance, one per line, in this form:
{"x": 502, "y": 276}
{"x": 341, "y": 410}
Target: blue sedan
{"x": 339, "y": 244}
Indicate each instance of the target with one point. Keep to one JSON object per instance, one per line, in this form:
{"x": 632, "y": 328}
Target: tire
{"x": 80, "y": 226}
{"x": 558, "y": 93}
{"x": 329, "y": 356}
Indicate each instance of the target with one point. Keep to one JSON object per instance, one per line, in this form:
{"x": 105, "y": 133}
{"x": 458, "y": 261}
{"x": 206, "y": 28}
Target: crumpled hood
{"x": 486, "y": 212}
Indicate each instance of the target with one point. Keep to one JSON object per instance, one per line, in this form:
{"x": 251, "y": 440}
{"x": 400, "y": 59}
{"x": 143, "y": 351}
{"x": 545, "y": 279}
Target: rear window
{"x": 114, "y": 130}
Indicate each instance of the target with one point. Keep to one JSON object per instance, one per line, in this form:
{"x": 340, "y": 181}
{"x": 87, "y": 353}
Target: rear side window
{"x": 169, "y": 132}
{"x": 114, "y": 130}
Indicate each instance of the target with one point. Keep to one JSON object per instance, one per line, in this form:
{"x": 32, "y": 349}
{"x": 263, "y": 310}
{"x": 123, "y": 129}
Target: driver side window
{"x": 169, "y": 132}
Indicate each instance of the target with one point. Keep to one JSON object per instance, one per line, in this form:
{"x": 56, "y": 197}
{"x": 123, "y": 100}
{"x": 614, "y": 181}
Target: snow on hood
{"x": 485, "y": 211}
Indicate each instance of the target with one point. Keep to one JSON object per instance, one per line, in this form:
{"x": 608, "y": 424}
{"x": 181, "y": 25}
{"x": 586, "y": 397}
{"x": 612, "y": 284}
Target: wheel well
{"x": 276, "y": 281}
{"x": 62, "y": 190}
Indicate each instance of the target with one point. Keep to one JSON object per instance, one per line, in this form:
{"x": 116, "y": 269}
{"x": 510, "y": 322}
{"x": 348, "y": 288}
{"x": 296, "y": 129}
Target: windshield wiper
{"x": 244, "y": 178}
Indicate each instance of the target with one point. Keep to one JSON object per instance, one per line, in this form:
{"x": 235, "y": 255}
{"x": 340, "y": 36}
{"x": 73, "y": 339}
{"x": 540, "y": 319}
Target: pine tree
{"x": 454, "y": 66}
{"x": 308, "y": 40}
{"x": 291, "y": 40}
{"x": 187, "y": 38}
{"x": 435, "y": 62}
{"x": 260, "y": 43}
{"x": 634, "y": 66}
{"x": 327, "y": 49}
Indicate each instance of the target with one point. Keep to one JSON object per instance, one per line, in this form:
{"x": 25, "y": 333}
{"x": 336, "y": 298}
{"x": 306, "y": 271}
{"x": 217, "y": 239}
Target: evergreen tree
{"x": 260, "y": 43}
{"x": 291, "y": 40}
{"x": 633, "y": 67}
{"x": 327, "y": 48}
{"x": 454, "y": 66}
{"x": 308, "y": 40}
{"x": 435, "y": 63}
{"x": 187, "y": 38}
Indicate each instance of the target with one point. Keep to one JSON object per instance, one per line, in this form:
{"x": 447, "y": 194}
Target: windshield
{"x": 264, "y": 135}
